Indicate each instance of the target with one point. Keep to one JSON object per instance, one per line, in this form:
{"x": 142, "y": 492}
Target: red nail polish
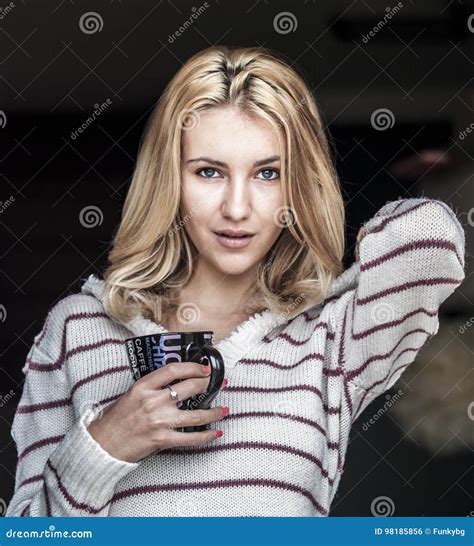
{"x": 224, "y": 383}
{"x": 225, "y": 411}
{"x": 218, "y": 433}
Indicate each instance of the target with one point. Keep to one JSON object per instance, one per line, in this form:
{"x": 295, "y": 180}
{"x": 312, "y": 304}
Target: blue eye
{"x": 206, "y": 169}
{"x": 276, "y": 172}
{"x": 268, "y": 174}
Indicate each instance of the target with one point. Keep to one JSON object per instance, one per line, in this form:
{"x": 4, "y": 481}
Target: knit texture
{"x": 295, "y": 387}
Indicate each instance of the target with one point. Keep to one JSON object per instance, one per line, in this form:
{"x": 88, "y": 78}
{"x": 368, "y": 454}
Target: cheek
{"x": 196, "y": 206}
{"x": 270, "y": 210}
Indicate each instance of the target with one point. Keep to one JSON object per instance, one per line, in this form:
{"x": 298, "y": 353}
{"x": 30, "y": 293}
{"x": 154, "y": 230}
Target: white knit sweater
{"x": 295, "y": 387}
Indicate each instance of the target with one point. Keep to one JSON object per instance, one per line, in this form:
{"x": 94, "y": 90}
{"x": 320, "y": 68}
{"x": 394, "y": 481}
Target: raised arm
{"x": 61, "y": 469}
{"x": 411, "y": 258}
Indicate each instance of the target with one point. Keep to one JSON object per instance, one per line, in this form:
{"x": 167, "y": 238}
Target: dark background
{"x": 418, "y": 66}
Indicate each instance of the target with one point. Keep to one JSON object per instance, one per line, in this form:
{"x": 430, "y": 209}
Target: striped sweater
{"x": 295, "y": 387}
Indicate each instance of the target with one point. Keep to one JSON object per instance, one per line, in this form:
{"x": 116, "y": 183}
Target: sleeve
{"x": 411, "y": 258}
{"x": 61, "y": 470}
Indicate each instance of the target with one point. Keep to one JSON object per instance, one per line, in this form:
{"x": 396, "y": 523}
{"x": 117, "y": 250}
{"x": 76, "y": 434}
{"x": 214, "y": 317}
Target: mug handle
{"x": 206, "y": 356}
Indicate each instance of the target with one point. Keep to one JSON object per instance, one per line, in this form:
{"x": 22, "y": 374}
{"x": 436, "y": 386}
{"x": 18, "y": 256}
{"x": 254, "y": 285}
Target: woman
{"x": 236, "y": 143}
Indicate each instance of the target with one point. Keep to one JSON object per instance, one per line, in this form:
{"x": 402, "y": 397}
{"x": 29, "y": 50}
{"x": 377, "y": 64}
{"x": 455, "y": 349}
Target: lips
{"x": 234, "y": 241}
{"x": 234, "y": 233}
{"x": 234, "y": 236}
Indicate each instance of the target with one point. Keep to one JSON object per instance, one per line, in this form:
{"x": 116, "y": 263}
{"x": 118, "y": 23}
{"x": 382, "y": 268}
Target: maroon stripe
{"x": 258, "y": 445}
{"x": 310, "y": 422}
{"x": 332, "y": 298}
{"x": 97, "y": 375}
{"x": 409, "y": 247}
{"x": 341, "y": 362}
{"x": 393, "y": 216}
{"x": 391, "y": 324}
{"x": 357, "y": 371}
{"x": 66, "y": 401}
{"x": 108, "y": 399}
{"x": 44, "y": 406}
{"x": 57, "y": 365}
{"x": 297, "y": 343}
{"x": 50, "y": 440}
{"x": 406, "y": 286}
{"x": 46, "y": 500}
{"x": 221, "y": 483}
{"x": 43, "y": 333}
{"x": 35, "y": 478}
{"x": 273, "y": 364}
{"x": 310, "y": 388}
{"x": 266, "y": 362}
{"x": 73, "y": 502}
{"x": 328, "y": 372}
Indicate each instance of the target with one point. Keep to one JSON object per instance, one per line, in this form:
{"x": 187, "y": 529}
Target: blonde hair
{"x": 152, "y": 256}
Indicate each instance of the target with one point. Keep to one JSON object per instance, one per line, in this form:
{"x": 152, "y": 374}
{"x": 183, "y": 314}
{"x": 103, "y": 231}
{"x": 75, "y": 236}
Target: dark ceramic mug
{"x": 148, "y": 353}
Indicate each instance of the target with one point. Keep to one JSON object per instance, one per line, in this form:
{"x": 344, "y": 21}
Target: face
{"x": 231, "y": 180}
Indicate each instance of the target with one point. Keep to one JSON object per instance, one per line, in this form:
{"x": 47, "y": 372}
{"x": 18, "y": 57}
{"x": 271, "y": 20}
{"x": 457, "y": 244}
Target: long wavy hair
{"x": 152, "y": 257}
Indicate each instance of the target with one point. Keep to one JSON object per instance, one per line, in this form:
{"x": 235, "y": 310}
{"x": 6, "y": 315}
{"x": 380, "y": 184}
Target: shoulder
{"x": 73, "y": 313}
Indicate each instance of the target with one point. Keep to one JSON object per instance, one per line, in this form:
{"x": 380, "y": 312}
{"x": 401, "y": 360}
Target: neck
{"x": 209, "y": 289}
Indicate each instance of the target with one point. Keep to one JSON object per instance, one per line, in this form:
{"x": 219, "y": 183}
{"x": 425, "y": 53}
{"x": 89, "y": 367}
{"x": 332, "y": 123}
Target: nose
{"x": 236, "y": 204}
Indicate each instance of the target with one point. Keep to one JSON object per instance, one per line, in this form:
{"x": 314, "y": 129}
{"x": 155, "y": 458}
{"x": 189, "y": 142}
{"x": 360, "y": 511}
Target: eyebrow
{"x": 270, "y": 159}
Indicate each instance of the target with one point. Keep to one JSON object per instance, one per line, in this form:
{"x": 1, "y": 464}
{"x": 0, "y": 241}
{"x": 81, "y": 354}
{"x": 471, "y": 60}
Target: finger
{"x": 190, "y": 387}
{"x": 187, "y": 418}
{"x": 191, "y": 438}
{"x": 171, "y": 372}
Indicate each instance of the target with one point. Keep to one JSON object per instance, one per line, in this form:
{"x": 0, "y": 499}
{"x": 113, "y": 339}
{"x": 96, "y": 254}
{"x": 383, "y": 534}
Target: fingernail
{"x": 218, "y": 433}
{"x": 225, "y": 411}
{"x": 224, "y": 383}
{"x": 207, "y": 370}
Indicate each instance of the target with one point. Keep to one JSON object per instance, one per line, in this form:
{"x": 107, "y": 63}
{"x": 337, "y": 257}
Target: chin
{"x": 233, "y": 265}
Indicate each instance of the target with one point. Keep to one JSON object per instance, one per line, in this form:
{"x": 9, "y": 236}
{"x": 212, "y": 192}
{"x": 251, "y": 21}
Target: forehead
{"x": 224, "y": 133}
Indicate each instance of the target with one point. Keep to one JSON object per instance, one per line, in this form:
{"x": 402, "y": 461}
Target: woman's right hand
{"x": 143, "y": 419}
